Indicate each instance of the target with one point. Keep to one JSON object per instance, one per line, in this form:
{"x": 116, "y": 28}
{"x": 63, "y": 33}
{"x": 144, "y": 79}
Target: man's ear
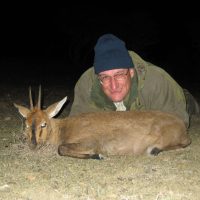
{"x": 132, "y": 72}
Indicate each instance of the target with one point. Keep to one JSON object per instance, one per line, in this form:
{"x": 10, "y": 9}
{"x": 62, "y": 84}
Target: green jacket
{"x": 152, "y": 89}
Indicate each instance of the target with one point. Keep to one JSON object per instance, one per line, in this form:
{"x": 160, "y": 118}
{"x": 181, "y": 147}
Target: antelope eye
{"x": 43, "y": 125}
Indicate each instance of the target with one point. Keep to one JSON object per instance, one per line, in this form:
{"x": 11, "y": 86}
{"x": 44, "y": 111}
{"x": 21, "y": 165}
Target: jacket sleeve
{"x": 82, "y": 101}
{"x": 162, "y": 92}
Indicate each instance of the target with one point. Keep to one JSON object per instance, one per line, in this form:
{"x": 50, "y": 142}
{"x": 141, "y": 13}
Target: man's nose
{"x": 113, "y": 83}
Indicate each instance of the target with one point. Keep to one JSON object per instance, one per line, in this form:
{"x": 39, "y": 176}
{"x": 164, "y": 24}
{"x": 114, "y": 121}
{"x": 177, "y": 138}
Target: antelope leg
{"x": 78, "y": 151}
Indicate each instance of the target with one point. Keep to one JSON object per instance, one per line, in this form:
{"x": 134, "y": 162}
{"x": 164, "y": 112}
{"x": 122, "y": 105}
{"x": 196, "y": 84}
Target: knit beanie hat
{"x": 111, "y": 53}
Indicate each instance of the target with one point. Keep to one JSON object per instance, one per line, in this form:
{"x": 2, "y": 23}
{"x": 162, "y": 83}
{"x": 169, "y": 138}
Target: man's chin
{"x": 116, "y": 99}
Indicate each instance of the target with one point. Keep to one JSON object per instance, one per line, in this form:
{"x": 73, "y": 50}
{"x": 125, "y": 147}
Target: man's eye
{"x": 120, "y": 76}
{"x": 104, "y": 78}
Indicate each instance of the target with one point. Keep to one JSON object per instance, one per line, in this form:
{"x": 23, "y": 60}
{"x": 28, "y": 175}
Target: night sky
{"x": 36, "y": 39}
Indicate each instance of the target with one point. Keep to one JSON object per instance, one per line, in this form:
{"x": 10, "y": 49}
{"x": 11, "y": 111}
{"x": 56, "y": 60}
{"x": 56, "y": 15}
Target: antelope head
{"x": 38, "y": 122}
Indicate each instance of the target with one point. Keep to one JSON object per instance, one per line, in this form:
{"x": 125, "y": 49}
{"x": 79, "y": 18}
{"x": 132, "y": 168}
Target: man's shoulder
{"x": 144, "y": 66}
{"x": 87, "y": 77}
{"x": 88, "y": 73}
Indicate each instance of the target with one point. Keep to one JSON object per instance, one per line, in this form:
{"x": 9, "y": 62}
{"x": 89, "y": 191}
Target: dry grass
{"x": 42, "y": 174}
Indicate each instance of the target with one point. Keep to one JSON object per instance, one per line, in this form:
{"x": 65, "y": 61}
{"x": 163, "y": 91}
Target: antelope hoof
{"x": 155, "y": 151}
{"x": 97, "y": 157}
{"x": 61, "y": 150}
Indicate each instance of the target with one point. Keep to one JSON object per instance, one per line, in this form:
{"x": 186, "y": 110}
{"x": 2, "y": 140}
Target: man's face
{"x": 116, "y": 83}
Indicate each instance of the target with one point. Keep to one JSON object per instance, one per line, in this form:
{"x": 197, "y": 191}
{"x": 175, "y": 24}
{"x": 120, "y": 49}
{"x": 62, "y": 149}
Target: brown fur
{"x": 109, "y": 133}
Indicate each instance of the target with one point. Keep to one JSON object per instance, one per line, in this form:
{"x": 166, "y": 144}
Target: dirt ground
{"x": 43, "y": 174}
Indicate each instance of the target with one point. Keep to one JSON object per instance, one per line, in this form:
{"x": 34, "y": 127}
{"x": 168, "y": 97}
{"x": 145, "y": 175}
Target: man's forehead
{"x": 112, "y": 71}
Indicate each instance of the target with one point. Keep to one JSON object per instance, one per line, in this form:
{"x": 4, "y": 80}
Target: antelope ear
{"x": 55, "y": 108}
{"x": 22, "y": 110}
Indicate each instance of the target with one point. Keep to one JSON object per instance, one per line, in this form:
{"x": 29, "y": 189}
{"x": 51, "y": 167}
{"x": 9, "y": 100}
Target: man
{"x": 121, "y": 80}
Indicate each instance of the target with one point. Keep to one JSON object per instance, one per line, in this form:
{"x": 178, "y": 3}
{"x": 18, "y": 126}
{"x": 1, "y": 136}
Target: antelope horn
{"x": 30, "y": 98}
{"x": 39, "y": 98}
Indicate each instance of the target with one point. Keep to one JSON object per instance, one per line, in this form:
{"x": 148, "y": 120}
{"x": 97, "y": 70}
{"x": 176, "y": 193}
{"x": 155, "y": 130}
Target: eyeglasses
{"x": 119, "y": 76}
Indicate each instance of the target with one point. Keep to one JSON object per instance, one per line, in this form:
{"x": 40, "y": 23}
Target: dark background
{"x": 54, "y": 45}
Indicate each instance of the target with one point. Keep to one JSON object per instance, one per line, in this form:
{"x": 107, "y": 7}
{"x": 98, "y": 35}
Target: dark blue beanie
{"x": 111, "y": 53}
